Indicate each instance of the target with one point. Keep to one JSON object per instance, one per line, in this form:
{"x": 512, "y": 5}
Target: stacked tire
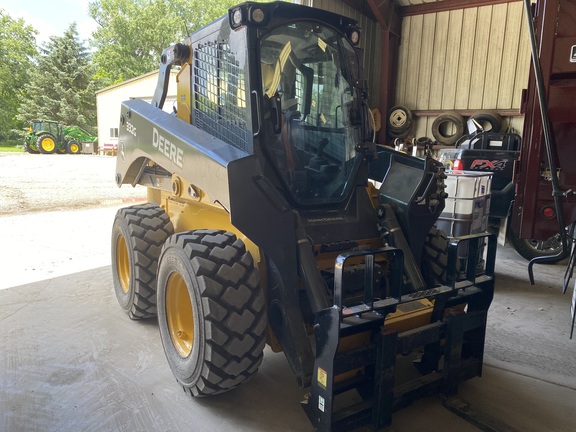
{"x": 450, "y": 126}
{"x": 490, "y": 121}
{"x": 399, "y": 121}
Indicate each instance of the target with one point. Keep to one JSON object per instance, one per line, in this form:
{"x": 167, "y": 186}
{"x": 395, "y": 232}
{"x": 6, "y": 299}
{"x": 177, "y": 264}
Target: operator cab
{"x": 312, "y": 113}
{"x": 47, "y": 126}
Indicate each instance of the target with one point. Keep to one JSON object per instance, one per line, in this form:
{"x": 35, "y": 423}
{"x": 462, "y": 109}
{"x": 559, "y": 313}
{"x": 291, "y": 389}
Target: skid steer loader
{"x": 273, "y": 218}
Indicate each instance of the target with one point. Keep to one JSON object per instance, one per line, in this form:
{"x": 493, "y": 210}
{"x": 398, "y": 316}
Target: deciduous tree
{"x": 133, "y": 33}
{"x": 17, "y": 50}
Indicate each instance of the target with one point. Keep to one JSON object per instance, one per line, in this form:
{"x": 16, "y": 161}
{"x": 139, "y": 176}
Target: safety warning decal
{"x": 322, "y": 378}
{"x": 573, "y": 54}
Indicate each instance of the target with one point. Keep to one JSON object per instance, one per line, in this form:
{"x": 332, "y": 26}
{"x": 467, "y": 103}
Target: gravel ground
{"x": 34, "y": 183}
{"x": 56, "y": 214}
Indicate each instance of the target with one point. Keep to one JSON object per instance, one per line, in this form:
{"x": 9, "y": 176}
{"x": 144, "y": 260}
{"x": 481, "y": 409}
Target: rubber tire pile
{"x": 447, "y": 128}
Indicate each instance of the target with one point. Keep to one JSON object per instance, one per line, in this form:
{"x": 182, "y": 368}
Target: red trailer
{"x": 546, "y": 177}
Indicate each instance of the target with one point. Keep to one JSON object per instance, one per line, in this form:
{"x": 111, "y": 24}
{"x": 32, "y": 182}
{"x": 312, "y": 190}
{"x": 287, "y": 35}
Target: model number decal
{"x": 170, "y": 150}
{"x": 131, "y": 128}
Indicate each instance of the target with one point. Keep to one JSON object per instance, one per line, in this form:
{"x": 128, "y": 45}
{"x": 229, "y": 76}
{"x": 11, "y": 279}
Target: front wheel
{"x": 530, "y": 249}
{"x": 211, "y": 311}
{"x": 73, "y": 147}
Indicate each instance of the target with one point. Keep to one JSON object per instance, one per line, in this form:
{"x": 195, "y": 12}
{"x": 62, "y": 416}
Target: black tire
{"x": 211, "y": 311}
{"x": 29, "y": 149}
{"x": 138, "y": 234}
{"x": 73, "y": 147}
{"x": 490, "y": 121}
{"x": 399, "y": 121}
{"x": 435, "y": 257}
{"x": 446, "y": 122}
{"x": 423, "y": 141}
{"x": 529, "y": 249}
{"x": 46, "y": 144}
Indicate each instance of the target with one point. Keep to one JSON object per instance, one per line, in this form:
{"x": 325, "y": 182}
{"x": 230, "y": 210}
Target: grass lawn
{"x": 11, "y": 146}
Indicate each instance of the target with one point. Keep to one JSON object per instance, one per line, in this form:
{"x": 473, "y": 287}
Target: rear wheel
{"x": 211, "y": 311}
{"x": 529, "y": 249}
{"x": 46, "y": 144}
{"x": 137, "y": 238}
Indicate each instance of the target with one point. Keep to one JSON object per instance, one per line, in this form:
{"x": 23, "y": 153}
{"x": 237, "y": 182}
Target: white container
{"x": 462, "y": 188}
{"x": 467, "y": 206}
{"x": 461, "y": 224}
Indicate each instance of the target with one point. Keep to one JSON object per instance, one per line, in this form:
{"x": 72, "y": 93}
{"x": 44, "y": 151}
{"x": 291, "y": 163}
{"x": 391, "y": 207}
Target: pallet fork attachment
{"x": 456, "y": 337}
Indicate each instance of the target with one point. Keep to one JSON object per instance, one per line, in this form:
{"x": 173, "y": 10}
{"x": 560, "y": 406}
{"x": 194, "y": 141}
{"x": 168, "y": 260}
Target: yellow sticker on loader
{"x": 322, "y": 377}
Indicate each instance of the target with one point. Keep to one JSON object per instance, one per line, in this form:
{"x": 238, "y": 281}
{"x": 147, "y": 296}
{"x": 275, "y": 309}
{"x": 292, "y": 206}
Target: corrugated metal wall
{"x": 369, "y": 42}
{"x": 470, "y": 59}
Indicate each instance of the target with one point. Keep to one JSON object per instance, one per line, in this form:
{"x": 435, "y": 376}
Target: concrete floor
{"x": 71, "y": 360}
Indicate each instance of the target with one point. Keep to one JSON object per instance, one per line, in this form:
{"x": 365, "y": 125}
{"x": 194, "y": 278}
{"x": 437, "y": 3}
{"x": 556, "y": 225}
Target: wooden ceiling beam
{"x": 387, "y": 14}
{"x": 448, "y": 5}
{"x": 360, "y": 6}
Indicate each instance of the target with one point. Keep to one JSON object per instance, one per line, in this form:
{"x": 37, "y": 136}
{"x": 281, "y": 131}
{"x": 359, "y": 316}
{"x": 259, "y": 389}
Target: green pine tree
{"x": 62, "y": 86}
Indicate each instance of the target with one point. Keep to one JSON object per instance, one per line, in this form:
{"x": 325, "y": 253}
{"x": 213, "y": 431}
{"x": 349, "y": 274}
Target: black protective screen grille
{"x": 220, "y": 95}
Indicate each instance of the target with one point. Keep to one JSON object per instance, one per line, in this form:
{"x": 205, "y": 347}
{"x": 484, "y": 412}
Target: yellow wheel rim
{"x": 179, "y": 315}
{"x": 74, "y": 148}
{"x": 48, "y": 144}
{"x": 123, "y": 264}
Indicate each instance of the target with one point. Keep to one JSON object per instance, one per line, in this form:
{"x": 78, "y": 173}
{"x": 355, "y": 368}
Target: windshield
{"x": 310, "y": 109}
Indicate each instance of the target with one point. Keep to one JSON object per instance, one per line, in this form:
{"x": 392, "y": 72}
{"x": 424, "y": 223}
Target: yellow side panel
{"x": 409, "y": 316}
{"x": 193, "y": 215}
{"x": 183, "y": 90}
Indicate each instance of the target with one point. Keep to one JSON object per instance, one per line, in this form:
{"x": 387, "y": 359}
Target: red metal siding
{"x": 556, "y": 30}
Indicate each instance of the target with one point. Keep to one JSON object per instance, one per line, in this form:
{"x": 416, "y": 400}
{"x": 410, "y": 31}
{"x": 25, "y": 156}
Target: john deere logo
{"x": 573, "y": 54}
{"x": 122, "y": 150}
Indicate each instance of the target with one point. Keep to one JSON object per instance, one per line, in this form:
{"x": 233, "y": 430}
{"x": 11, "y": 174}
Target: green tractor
{"x": 48, "y": 136}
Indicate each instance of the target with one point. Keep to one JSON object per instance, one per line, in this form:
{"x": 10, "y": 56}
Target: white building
{"x": 109, "y": 99}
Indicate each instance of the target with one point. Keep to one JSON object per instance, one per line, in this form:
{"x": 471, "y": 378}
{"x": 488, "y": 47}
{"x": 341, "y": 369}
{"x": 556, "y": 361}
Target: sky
{"x": 52, "y": 17}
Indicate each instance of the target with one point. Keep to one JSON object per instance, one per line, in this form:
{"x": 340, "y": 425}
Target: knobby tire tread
{"x": 435, "y": 257}
{"x": 233, "y": 306}
{"x": 149, "y": 226}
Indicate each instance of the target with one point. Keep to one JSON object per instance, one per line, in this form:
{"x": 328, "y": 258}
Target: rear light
{"x": 549, "y": 212}
{"x": 458, "y": 165}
